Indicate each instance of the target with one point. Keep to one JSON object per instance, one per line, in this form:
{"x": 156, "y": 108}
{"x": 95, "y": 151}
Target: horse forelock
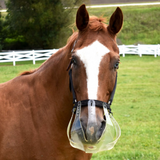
{"x": 97, "y": 24}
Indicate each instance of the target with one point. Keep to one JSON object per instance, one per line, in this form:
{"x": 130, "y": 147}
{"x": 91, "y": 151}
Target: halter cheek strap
{"x": 98, "y": 103}
{"x": 72, "y": 88}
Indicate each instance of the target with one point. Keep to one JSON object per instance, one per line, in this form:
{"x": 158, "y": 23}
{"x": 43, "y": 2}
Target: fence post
{"x": 158, "y": 50}
{"x": 123, "y": 50}
{"x": 139, "y": 50}
{"x": 34, "y": 62}
{"x": 155, "y": 51}
{"x": 14, "y": 59}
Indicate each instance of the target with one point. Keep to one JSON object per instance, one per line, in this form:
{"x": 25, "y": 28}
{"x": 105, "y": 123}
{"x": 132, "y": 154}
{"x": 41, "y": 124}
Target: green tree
{"x": 0, "y": 33}
{"x": 1, "y": 27}
{"x": 42, "y": 23}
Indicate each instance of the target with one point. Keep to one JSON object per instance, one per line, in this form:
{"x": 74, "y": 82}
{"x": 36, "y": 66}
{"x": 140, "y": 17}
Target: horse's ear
{"x": 116, "y": 21}
{"x": 82, "y": 17}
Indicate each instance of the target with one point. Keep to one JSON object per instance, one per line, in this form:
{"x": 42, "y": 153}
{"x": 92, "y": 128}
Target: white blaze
{"x": 91, "y": 56}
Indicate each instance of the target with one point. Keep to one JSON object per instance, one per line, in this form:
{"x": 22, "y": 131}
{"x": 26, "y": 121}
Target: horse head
{"x": 94, "y": 63}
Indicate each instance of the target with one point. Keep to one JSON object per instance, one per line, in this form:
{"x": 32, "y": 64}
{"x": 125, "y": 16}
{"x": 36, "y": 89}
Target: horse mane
{"x": 27, "y": 72}
{"x": 95, "y": 24}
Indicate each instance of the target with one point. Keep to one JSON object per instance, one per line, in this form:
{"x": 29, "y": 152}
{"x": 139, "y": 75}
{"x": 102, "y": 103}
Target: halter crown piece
{"x": 75, "y": 133}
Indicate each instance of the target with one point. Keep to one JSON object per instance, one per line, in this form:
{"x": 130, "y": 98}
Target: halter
{"x": 75, "y": 131}
{"x": 83, "y": 103}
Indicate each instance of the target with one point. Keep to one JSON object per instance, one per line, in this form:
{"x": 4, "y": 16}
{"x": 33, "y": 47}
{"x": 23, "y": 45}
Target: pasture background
{"x": 136, "y": 107}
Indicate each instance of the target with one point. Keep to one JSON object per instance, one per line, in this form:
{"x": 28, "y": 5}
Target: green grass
{"x": 8, "y": 71}
{"x": 136, "y": 107}
{"x": 141, "y": 23}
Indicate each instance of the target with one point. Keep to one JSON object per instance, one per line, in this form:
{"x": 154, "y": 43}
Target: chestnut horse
{"x": 35, "y": 107}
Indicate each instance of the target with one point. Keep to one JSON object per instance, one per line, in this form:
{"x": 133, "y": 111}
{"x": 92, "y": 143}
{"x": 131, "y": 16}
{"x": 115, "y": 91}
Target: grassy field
{"x": 136, "y": 107}
{"x": 7, "y": 71}
{"x": 141, "y": 23}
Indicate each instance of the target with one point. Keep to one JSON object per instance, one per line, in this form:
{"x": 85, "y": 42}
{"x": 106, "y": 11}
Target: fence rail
{"x": 33, "y": 55}
{"x": 140, "y": 50}
{"x": 36, "y": 55}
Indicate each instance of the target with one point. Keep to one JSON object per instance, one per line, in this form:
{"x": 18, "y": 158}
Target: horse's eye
{"x": 116, "y": 66}
{"x": 73, "y": 61}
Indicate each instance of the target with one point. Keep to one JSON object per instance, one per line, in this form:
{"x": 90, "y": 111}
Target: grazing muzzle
{"x": 92, "y": 139}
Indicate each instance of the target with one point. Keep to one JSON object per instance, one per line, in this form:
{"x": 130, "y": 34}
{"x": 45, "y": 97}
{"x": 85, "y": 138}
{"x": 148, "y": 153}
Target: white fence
{"x": 140, "y": 50}
{"x": 26, "y": 55}
{"x": 45, "y": 54}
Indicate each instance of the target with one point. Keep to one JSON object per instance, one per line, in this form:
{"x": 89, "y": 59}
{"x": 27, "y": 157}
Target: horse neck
{"x": 54, "y": 69}
{"x": 54, "y": 78}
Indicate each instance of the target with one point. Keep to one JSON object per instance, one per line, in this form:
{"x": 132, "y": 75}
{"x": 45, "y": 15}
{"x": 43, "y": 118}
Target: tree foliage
{"x": 42, "y": 23}
{"x": 1, "y": 28}
{"x": 0, "y": 32}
